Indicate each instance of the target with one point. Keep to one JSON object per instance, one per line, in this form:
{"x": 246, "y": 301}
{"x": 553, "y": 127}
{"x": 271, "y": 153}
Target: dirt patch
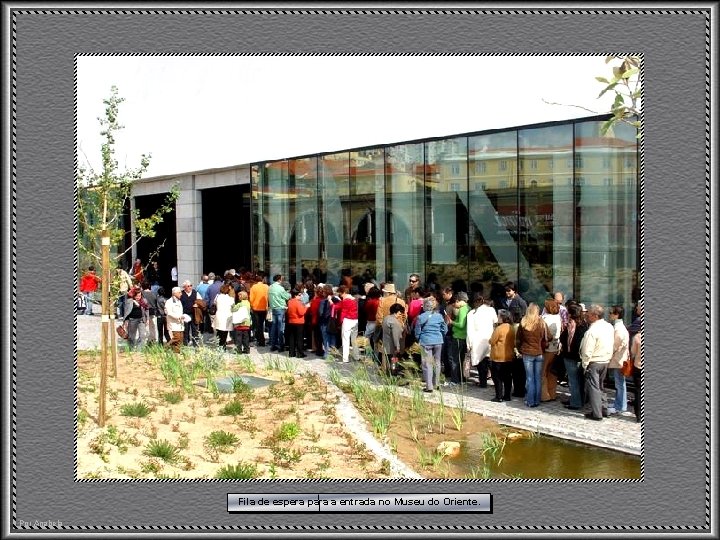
{"x": 288, "y": 429}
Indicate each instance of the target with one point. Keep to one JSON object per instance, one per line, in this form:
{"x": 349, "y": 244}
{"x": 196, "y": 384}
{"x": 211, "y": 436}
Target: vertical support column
{"x": 188, "y": 210}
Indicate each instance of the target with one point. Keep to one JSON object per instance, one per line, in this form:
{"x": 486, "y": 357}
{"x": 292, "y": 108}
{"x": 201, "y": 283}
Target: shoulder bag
{"x": 122, "y": 331}
{"x": 627, "y": 367}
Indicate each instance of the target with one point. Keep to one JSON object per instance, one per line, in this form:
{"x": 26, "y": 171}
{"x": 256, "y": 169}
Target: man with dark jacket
{"x": 188, "y": 298}
{"x": 513, "y": 302}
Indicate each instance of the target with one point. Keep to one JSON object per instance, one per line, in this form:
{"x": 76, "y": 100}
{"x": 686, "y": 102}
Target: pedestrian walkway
{"x": 620, "y": 432}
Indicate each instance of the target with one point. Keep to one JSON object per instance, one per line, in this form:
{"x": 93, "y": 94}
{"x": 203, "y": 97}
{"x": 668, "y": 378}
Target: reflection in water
{"x": 549, "y": 457}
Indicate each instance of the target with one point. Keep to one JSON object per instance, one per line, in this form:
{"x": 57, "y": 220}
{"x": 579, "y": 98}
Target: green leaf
{"x": 609, "y": 87}
{"x": 629, "y": 73}
{"x": 602, "y": 80}
{"x": 606, "y": 125}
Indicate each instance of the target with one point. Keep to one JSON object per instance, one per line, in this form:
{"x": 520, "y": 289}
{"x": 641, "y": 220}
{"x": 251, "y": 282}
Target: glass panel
{"x": 607, "y": 216}
{"x": 492, "y": 161}
{"x": 334, "y": 187}
{"x": 367, "y": 191}
{"x": 304, "y": 246}
{"x": 446, "y": 211}
{"x": 276, "y": 215}
{"x": 404, "y": 217}
{"x": 546, "y": 212}
{"x": 259, "y": 233}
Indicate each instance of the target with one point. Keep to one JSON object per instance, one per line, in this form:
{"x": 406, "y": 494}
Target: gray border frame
{"x": 38, "y": 376}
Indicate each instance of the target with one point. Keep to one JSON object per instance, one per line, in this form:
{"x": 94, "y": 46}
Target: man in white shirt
{"x": 596, "y": 349}
{"x": 175, "y": 320}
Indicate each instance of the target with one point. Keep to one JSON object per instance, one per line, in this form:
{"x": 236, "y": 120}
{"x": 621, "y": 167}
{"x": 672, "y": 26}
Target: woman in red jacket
{"x": 349, "y": 323}
{"x": 296, "y": 322}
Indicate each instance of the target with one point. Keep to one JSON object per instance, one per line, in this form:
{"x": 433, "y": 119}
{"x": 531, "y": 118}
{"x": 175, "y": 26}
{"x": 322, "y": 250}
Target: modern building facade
{"x": 551, "y": 207}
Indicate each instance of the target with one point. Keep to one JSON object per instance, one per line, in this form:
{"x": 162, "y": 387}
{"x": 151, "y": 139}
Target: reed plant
{"x": 492, "y": 447}
{"x": 428, "y": 457}
{"x": 459, "y": 413}
{"x": 275, "y": 362}
{"x": 441, "y": 408}
{"x": 246, "y": 363}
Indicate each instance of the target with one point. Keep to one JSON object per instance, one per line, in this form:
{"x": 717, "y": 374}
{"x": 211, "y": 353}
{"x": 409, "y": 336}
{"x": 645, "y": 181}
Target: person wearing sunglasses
{"x": 413, "y": 285}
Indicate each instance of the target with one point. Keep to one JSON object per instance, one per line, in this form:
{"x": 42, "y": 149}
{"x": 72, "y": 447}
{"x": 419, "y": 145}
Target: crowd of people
{"x": 525, "y": 349}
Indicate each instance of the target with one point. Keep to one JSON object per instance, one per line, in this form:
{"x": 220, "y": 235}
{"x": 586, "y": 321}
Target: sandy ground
{"x": 322, "y": 446}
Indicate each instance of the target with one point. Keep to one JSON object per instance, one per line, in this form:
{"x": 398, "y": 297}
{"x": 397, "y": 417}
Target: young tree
{"x": 103, "y": 198}
{"x": 102, "y": 206}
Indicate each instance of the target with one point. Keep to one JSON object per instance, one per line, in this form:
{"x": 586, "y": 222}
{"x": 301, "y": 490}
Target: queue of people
{"x": 525, "y": 349}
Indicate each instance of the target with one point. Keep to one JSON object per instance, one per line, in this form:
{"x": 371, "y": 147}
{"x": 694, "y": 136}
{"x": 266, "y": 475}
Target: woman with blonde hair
{"x": 554, "y": 323}
{"x": 531, "y": 332}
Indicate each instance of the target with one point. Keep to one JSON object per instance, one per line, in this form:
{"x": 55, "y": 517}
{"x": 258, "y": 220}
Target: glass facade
{"x": 551, "y": 207}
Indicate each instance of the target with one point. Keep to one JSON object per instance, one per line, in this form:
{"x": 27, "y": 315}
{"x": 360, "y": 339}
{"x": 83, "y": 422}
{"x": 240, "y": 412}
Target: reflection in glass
{"x": 606, "y": 213}
{"x": 446, "y": 211}
{"x": 276, "y": 213}
{"x": 304, "y": 244}
{"x": 546, "y": 207}
{"x": 333, "y": 176}
{"x": 367, "y": 215}
{"x": 551, "y": 208}
{"x": 404, "y": 188}
{"x": 493, "y": 211}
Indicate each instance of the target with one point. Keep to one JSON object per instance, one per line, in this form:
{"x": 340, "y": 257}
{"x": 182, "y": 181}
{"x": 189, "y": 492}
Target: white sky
{"x": 203, "y": 112}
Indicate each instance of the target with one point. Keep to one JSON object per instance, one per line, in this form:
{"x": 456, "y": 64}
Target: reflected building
{"x": 551, "y": 207}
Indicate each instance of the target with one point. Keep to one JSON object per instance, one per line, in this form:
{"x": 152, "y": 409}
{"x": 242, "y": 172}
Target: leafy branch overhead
{"x": 103, "y": 197}
{"x": 625, "y": 83}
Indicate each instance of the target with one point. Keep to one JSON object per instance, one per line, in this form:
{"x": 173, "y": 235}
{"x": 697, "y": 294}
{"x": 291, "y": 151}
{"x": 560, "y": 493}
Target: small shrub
{"x": 241, "y": 471}
{"x": 162, "y": 449}
{"x": 137, "y": 410}
{"x": 173, "y": 397}
{"x": 82, "y": 418}
{"x": 221, "y": 440}
{"x": 234, "y": 408}
{"x": 151, "y": 466}
{"x": 288, "y": 431}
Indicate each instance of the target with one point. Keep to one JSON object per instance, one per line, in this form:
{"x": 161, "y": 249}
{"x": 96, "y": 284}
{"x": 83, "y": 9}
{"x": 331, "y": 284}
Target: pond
{"x": 541, "y": 456}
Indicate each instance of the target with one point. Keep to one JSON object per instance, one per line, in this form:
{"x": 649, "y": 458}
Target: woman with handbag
{"x": 531, "y": 332}
{"x": 618, "y": 360}
{"x": 551, "y": 349}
